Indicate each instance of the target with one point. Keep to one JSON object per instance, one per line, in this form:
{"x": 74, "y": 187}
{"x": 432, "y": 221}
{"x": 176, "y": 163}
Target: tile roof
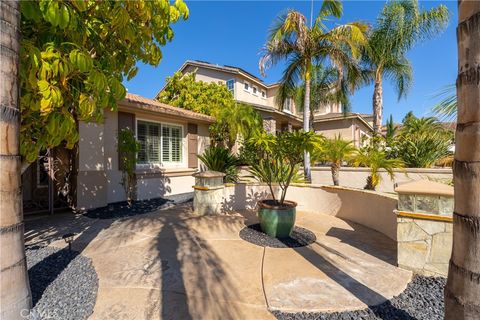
{"x": 162, "y": 108}
{"x": 340, "y": 115}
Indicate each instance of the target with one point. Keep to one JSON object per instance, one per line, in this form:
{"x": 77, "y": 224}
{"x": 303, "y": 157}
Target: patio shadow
{"x": 362, "y": 292}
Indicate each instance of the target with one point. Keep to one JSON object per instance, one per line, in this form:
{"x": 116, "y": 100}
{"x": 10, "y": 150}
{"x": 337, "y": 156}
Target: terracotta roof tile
{"x": 154, "y": 105}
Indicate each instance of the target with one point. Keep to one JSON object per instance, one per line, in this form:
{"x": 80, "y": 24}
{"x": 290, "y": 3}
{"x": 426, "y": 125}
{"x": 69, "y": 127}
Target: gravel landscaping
{"x": 299, "y": 237}
{"x": 64, "y": 284}
{"x": 121, "y": 209}
{"x": 421, "y": 300}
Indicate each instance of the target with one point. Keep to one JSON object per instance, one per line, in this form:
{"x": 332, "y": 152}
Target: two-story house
{"x": 329, "y": 120}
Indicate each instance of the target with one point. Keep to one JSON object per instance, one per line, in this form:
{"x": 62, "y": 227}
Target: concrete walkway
{"x": 171, "y": 264}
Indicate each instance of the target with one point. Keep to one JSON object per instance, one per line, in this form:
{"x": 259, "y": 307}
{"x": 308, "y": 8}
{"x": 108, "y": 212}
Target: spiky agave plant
{"x": 222, "y": 160}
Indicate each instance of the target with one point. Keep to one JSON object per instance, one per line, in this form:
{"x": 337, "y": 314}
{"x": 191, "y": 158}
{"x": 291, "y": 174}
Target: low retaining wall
{"x": 345, "y": 203}
{"x": 356, "y": 177}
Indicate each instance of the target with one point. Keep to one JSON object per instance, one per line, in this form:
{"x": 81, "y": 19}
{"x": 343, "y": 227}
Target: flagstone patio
{"x": 171, "y": 264}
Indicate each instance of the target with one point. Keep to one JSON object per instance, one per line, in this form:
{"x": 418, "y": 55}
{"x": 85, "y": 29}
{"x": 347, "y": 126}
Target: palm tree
{"x": 327, "y": 88}
{"x": 446, "y": 109}
{"x": 463, "y": 285}
{"x": 335, "y": 151}
{"x": 400, "y": 26}
{"x": 291, "y": 39}
{"x": 376, "y": 159}
{"x": 14, "y": 288}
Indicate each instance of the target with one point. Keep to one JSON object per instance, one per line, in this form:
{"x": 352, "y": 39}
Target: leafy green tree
{"x": 280, "y": 156}
{"x": 232, "y": 119}
{"x": 75, "y": 55}
{"x": 293, "y": 40}
{"x": 185, "y": 92}
{"x": 335, "y": 151}
{"x": 400, "y": 26}
{"x": 240, "y": 120}
{"x": 421, "y": 142}
{"x": 376, "y": 159}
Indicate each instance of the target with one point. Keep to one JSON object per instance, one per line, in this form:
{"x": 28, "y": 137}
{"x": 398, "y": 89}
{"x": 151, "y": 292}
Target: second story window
{"x": 246, "y": 86}
{"x": 254, "y": 90}
{"x": 264, "y": 94}
{"x": 287, "y": 105}
{"x": 231, "y": 85}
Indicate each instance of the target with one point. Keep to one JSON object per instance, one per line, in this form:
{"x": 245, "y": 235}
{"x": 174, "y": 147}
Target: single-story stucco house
{"x": 170, "y": 139}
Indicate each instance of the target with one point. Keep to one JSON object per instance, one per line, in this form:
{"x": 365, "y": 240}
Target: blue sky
{"x": 233, "y": 32}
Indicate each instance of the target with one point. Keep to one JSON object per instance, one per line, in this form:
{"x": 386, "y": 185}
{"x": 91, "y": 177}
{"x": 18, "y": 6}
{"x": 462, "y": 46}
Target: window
{"x": 287, "y": 105}
{"x": 254, "y": 89}
{"x": 264, "y": 94}
{"x": 171, "y": 143}
{"x": 159, "y": 142}
{"x": 231, "y": 85}
{"x": 246, "y": 86}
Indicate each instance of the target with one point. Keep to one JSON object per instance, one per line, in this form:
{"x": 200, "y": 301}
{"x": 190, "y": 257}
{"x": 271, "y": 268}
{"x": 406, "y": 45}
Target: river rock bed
{"x": 63, "y": 283}
{"x": 421, "y": 300}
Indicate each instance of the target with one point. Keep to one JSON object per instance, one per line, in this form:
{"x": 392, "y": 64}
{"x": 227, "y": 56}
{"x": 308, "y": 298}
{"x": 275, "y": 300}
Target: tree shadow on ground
{"x": 367, "y": 240}
{"x": 190, "y": 278}
{"x": 362, "y": 292}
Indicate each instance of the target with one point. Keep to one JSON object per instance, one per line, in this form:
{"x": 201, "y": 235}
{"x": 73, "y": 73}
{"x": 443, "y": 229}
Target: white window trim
{"x": 161, "y": 164}
{"x": 233, "y": 88}
{"x": 285, "y": 109}
{"x": 263, "y": 94}
{"x": 249, "y": 86}
{"x": 255, "y": 92}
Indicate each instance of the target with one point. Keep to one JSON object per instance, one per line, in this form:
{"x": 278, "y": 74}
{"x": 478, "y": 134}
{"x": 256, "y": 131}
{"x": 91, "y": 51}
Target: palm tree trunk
{"x": 335, "y": 168}
{"x": 14, "y": 287}
{"x": 306, "y": 124}
{"x": 377, "y": 104}
{"x": 463, "y": 285}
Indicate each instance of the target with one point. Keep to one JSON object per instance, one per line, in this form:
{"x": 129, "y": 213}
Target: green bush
{"x": 221, "y": 160}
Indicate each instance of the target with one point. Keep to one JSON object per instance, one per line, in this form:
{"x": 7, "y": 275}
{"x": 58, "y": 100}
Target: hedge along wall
{"x": 371, "y": 209}
{"x": 356, "y": 177}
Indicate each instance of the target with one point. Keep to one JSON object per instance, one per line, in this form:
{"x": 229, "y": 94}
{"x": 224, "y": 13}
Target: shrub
{"x": 221, "y": 160}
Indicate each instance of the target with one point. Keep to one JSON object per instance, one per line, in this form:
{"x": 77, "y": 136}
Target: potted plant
{"x": 278, "y": 164}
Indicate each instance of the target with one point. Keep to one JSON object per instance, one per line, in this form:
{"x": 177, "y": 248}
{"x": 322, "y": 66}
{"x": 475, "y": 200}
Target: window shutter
{"x": 153, "y": 143}
{"x": 125, "y": 121}
{"x": 166, "y": 144}
{"x": 192, "y": 145}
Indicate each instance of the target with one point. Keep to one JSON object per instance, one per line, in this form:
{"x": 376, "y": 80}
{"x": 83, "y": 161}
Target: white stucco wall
{"x": 371, "y": 209}
{"x": 99, "y": 176}
{"x": 356, "y": 177}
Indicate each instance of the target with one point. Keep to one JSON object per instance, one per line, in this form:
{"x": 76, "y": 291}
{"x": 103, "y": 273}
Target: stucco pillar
{"x": 208, "y": 192}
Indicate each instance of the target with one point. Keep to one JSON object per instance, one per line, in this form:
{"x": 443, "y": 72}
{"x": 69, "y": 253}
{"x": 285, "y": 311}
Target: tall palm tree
{"x": 292, "y": 39}
{"x": 329, "y": 86}
{"x": 14, "y": 288}
{"x": 335, "y": 151}
{"x": 400, "y": 26}
{"x": 463, "y": 285}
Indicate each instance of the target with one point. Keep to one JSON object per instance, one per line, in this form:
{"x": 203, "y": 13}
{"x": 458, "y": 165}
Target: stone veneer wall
{"x": 424, "y": 246}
